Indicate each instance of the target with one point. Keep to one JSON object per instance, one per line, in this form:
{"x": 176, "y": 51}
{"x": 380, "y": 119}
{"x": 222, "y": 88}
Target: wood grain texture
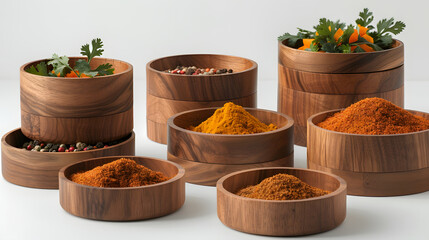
{"x": 301, "y": 105}
{"x": 208, "y": 174}
{"x": 376, "y": 184}
{"x": 341, "y": 62}
{"x": 123, "y": 204}
{"x": 158, "y": 110}
{"x": 226, "y": 148}
{"x": 366, "y": 153}
{"x": 72, "y": 130}
{"x": 156, "y": 132}
{"x": 341, "y": 83}
{"x": 241, "y": 83}
{"x": 161, "y": 109}
{"x": 40, "y": 169}
{"x": 281, "y": 218}
{"x": 78, "y": 97}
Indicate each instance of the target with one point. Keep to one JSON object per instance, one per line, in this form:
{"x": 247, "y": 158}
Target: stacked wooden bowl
{"x": 169, "y": 94}
{"x": 208, "y": 157}
{"x": 69, "y": 110}
{"x": 372, "y": 165}
{"x": 313, "y": 82}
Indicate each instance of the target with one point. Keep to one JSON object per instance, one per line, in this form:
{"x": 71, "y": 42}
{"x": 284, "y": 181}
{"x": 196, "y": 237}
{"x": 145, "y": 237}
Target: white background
{"x": 138, "y": 31}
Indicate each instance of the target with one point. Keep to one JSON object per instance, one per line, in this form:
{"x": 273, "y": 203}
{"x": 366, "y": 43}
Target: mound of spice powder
{"x": 282, "y": 187}
{"x": 374, "y": 116}
{"x": 232, "y": 119}
{"x": 120, "y": 173}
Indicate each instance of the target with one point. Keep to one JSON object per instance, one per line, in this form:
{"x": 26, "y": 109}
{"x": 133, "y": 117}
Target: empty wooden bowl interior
{"x": 227, "y": 148}
{"x": 281, "y": 217}
{"x": 40, "y": 169}
{"x": 123, "y": 204}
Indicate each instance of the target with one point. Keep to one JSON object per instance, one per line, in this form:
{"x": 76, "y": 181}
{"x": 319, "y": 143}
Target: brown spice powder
{"x": 281, "y": 187}
{"x": 374, "y": 116}
{"x": 120, "y": 173}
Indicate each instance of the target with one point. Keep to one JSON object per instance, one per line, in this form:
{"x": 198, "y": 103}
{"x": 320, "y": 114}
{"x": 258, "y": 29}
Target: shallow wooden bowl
{"x": 123, "y": 204}
{"x": 311, "y": 82}
{"x": 372, "y": 165}
{"x": 40, "y": 169}
{"x": 169, "y": 94}
{"x": 68, "y": 110}
{"x": 281, "y": 218}
{"x": 207, "y": 157}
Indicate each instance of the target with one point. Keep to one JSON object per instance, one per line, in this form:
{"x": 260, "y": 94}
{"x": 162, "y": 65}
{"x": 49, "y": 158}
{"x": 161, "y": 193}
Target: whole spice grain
{"x": 374, "y": 116}
{"x": 192, "y": 70}
{"x": 120, "y": 173}
{"x": 281, "y": 187}
{"x": 232, "y": 119}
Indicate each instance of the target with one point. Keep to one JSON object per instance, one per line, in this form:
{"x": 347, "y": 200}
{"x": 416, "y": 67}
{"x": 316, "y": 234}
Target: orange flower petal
{"x": 338, "y": 34}
{"x": 354, "y": 37}
{"x": 368, "y": 38}
{"x": 362, "y": 30}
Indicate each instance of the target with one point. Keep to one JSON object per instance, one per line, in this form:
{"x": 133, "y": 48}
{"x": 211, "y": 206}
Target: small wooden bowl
{"x": 311, "y": 82}
{"x": 123, "y": 204}
{"x": 169, "y": 94}
{"x": 372, "y": 165}
{"x": 68, "y": 110}
{"x": 281, "y": 218}
{"x": 207, "y": 157}
{"x": 40, "y": 169}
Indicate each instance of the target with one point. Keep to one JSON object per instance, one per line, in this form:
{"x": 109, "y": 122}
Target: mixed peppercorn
{"x": 192, "y": 70}
{"x": 38, "y": 146}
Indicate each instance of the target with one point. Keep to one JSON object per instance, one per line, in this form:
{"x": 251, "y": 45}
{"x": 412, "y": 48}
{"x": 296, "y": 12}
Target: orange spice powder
{"x": 374, "y": 116}
{"x": 120, "y": 173}
{"x": 281, "y": 187}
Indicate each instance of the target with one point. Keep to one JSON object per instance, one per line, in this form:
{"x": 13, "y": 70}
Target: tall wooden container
{"x": 169, "y": 94}
{"x": 68, "y": 110}
{"x": 311, "y": 82}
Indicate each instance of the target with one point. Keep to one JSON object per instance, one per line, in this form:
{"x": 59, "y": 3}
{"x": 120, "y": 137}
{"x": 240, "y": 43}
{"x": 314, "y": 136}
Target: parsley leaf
{"x": 41, "y": 69}
{"x": 60, "y": 64}
{"x": 83, "y": 67}
{"x": 365, "y": 19}
{"x": 97, "y": 50}
{"x": 105, "y": 69}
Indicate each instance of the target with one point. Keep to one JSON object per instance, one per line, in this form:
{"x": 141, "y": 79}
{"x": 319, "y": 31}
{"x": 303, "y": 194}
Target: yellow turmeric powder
{"x": 232, "y": 119}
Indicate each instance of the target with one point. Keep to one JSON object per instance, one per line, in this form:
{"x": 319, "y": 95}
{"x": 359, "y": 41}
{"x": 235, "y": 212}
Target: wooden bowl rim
{"x": 401, "y": 44}
{"x": 180, "y": 174}
{"x": 290, "y": 123}
{"x": 7, "y": 145}
{"x": 24, "y": 66}
{"x": 339, "y": 190}
{"x": 310, "y": 122}
{"x": 253, "y": 67}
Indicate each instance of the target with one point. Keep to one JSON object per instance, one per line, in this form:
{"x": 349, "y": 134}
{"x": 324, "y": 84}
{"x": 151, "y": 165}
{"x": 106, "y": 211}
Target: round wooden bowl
{"x": 281, "y": 217}
{"x": 372, "y": 165}
{"x": 123, "y": 204}
{"x": 207, "y": 157}
{"x": 169, "y": 94}
{"x": 40, "y": 169}
{"x": 68, "y": 110}
{"x": 311, "y": 82}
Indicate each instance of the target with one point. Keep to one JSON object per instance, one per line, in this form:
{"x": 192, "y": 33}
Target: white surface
{"x": 140, "y": 30}
{"x": 27, "y": 213}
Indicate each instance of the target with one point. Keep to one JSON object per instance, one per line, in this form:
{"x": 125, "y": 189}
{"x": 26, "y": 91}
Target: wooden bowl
{"x": 169, "y": 94}
{"x": 123, "y": 204}
{"x": 207, "y": 157}
{"x": 311, "y": 82}
{"x": 40, "y": 169}
{"x": 69, "y": 110}
{"x": 277, "y": 217}
{"x": 372, "y": 165}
